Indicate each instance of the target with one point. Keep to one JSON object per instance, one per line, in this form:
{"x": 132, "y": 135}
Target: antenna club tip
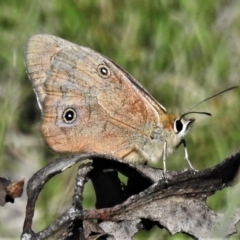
{"x": 208, "y": 114}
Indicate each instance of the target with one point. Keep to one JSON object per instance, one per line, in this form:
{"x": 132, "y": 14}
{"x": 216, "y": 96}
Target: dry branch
{"x": 176, "y": 202}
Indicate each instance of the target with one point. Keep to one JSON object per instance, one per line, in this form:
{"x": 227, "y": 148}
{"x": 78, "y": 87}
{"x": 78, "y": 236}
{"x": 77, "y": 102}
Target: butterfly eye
{"x": 69, "y": 115}
{"x": 178, "y": 126}
{"x": 103, "y": 71}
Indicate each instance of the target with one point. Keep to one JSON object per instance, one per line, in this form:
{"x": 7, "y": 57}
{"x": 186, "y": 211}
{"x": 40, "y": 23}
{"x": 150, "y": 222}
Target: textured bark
{"x": 176, "y": 201}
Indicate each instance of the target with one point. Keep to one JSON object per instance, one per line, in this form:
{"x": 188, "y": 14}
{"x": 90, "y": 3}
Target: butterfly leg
{"x": 164, "y": 161}
{"x": 186, "y": 155}
{"x": 135, "y": 150}
{"x": 164, "y": 156}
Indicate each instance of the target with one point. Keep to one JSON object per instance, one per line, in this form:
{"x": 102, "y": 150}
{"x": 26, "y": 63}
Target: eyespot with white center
{"x": 103, "y": 71}
{"x": 69, "y": 115}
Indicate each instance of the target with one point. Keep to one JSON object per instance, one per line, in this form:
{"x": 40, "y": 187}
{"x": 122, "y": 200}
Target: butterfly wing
{"x": 88, "y": 103}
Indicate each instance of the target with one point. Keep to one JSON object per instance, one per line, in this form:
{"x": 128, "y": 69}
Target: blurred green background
{"x": 181, "y": 52}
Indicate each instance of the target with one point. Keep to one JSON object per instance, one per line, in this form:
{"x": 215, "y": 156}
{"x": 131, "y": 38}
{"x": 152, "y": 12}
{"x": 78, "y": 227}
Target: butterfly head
{"x": 182, "y": 126}
{"x": 177, "y": 127}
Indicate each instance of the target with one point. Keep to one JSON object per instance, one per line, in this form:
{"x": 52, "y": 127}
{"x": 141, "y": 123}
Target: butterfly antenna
{"x": 206, "y": 113}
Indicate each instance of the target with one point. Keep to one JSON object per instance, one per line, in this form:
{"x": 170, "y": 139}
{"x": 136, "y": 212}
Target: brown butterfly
{"x": 91, "y": 105}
